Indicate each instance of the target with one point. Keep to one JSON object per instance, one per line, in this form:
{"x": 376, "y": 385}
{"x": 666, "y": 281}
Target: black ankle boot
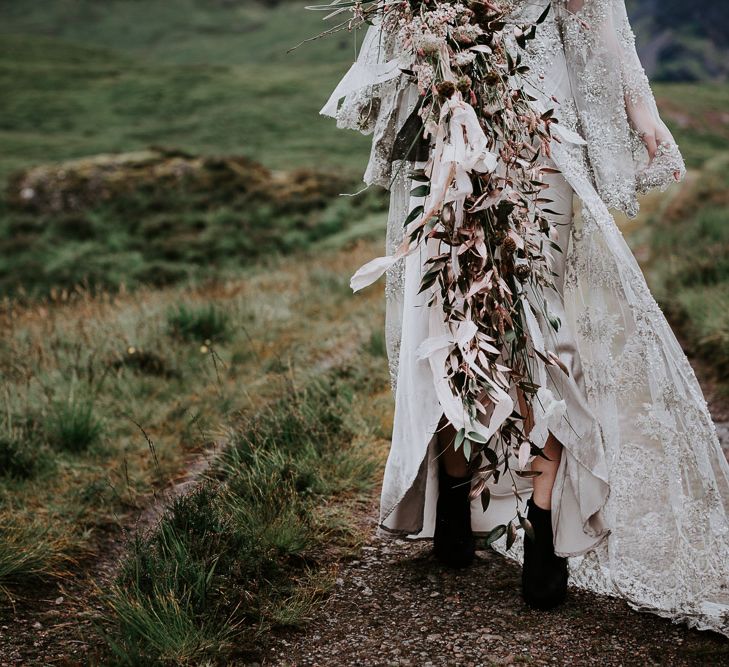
{"x": 544, "y": 575}
{"x": 453, "y": 541}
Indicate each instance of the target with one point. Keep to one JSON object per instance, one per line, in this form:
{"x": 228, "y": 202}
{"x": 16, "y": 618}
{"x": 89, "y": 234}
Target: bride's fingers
{"x": 651, "y": 144}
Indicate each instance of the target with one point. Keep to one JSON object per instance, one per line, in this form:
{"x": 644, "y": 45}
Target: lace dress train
{"x": 641, "y": 500}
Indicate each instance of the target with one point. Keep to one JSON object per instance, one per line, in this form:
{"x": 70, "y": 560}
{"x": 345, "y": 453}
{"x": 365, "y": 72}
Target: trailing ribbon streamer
{"x": 449, "y": 170}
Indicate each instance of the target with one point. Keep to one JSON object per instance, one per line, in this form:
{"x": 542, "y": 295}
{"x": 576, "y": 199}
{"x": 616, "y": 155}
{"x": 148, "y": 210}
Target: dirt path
{"x": 54, "y": 624}
{"x": 396, "y": 605}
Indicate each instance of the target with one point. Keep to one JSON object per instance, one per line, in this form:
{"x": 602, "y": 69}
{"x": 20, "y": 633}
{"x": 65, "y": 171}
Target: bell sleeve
{"x": 615, "y": 105}
{"x": 374, "y": 98}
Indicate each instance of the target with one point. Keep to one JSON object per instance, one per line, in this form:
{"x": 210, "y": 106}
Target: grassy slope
{"x": 682, "y": 241}
{"x": 155, "y": 219}
{"x": 276, "y": 324}
{"x": 79, "y": 78}
{"x": 698, "y": 115}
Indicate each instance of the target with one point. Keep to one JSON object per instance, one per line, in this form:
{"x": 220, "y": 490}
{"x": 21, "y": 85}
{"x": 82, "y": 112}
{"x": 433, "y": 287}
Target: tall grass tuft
{"x": 199, "y": 323}
{"x": 28, "y": 552}
{"x": 22, "y": 455}
{"x": 233, "y": 558}
{"x": 73, "y": 426}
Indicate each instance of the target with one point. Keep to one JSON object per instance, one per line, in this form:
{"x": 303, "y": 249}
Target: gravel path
{"x": 396, "y": 605}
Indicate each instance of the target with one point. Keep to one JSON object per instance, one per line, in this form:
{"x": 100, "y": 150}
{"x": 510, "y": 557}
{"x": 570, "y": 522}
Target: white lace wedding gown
{"x": 641, "y": 499}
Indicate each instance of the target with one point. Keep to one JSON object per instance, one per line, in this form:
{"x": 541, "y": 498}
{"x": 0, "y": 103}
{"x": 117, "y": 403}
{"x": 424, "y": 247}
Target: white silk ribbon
{"x": 436, "y": 350}
{"x": 367, "y": 273}
{"x": 449, "y": 170}
{"x": 546, "y": 410}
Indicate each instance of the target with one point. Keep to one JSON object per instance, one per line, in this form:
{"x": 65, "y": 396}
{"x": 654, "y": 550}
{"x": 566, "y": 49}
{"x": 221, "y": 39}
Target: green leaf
{"x": 485, "y": 498}
{"x": 526, "y": 474}
{"x": 418, "y": 210}
{"x": 491, "y": 456}
{"x": 527, "y": 526}
{"x": 476, "y": 437}
{"x": 420, "y": 176}
{"x": 420, "y": 191}
{"x": 543, "y": 16}
{"x": 510, "y": 535}
{"x": 555, "y": 245}
{"x": 428, "y": 281}
{"x": 459, "y": 438}
{"x": 495, "y": 534}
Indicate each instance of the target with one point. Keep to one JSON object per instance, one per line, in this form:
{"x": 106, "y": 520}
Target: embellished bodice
{"x": 585, "y": 49}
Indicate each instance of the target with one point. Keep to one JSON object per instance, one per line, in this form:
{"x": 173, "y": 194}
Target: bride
{"x": 632, "y": 496}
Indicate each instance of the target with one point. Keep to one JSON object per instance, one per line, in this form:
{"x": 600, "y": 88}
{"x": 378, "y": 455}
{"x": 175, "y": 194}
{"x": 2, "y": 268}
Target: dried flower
{"x": 522, "y": 271}
{"x": 509, "y": 245}
{"x": 446, "y": 88}
{"x": 464, "y": 84}
{"x": 464, "y": 58}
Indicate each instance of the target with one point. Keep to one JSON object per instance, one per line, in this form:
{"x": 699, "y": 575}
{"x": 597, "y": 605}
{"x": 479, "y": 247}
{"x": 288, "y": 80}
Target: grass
{"x": 21, "y": 456}
{"x": 206, "y": 77}
{"x": 160, "y": 218}
{"x": 685, "y": 239}
{"x": 30, "y": 552}
{"x": 697, "y": 116}
{"x": 73, "y": 426}
{"x": 161, "y": 397}
{"x": 234, "y": 558}
{"x": 199, "y": 324}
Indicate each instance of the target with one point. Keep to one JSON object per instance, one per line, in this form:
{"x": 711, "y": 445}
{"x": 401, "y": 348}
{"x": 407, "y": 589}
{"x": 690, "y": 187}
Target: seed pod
{"x": 446, "y": 88}
{"x": 499, "y": 236}
{"x": 522, "y": 271}
{"x": 464, "y": 84}
{"x": 509, "y": 245}
{"x": 448, "y": 215}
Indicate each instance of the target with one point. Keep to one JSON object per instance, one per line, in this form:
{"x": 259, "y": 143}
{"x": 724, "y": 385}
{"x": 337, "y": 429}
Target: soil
{"x": 396, "y": 605}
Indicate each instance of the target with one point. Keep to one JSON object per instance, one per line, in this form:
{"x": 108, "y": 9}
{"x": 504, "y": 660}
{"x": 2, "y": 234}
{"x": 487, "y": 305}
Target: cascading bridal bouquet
{"x": 482, "y": 210}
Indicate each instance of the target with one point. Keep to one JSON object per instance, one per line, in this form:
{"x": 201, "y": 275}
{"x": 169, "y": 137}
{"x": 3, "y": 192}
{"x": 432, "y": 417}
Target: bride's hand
{"x": 651, "y": 132}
